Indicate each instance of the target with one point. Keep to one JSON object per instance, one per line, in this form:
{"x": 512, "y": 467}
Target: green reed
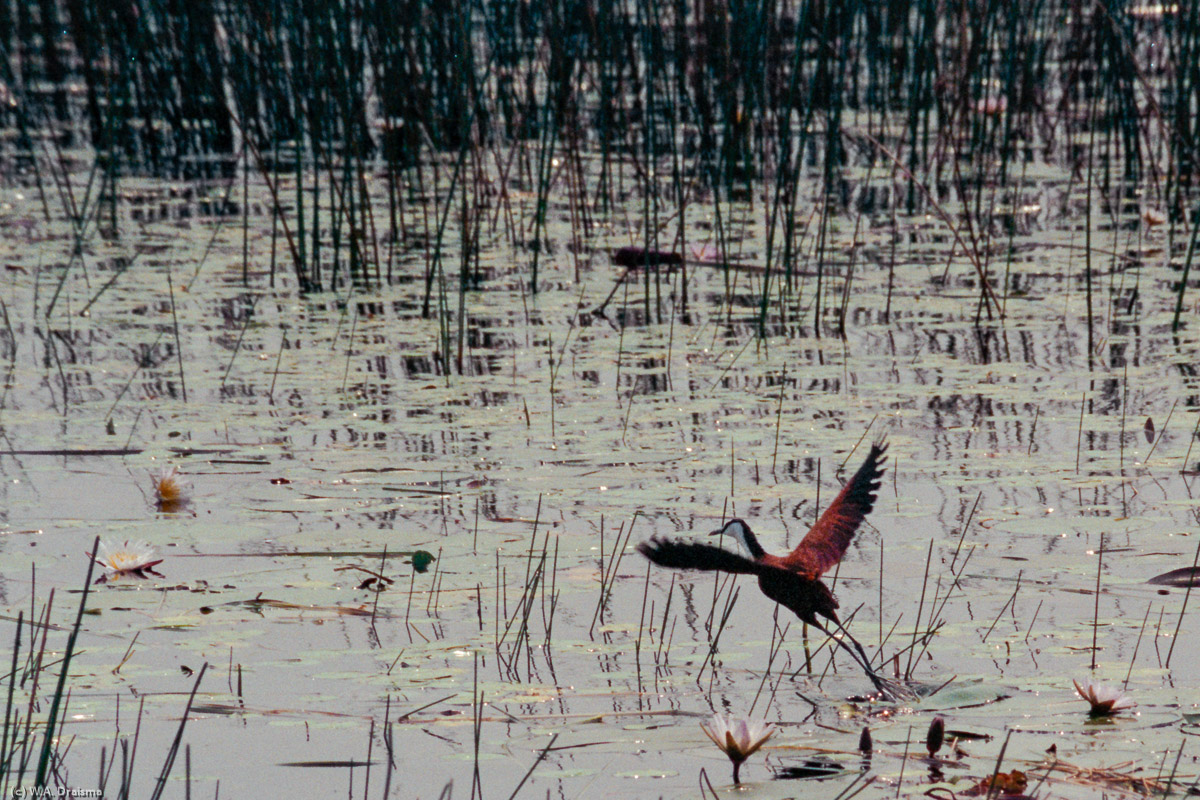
{"x": 351, "y": 113}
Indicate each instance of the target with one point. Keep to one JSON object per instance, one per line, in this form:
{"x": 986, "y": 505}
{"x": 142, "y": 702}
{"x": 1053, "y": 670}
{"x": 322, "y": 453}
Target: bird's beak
{"x": 717, "y": 532}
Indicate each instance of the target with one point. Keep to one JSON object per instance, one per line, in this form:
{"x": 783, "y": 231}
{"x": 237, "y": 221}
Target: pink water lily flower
{"x": 738, "y": 738}
{"x": 1104, "y": 700}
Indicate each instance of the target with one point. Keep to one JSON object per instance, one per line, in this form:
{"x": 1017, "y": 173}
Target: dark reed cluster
{"x": 396, "y": 137}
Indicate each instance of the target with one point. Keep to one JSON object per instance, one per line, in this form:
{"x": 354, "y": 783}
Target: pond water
{"x": 325, "y": 442}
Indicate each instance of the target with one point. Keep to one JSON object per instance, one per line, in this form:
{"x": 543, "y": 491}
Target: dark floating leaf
{"x": 216, "y": 708}
{"x": 1149, "y": 430}
{"x": 968, "y": 736}
{"x": 279, "y": 481}
{"x": 186, "y": 670}
{"x": 811, "y": 768}
{"x": 260, "y": 603}
{"x": 76, "y": 453}
{"x": 641, "y": 257}
{"x": 1187, "y": 576}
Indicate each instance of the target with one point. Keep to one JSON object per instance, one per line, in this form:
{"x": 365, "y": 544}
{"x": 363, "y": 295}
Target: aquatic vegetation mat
{"x": 370, "y": 389}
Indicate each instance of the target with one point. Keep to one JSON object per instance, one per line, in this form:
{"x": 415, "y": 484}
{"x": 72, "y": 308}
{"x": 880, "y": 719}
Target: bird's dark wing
{"x": 683, "y": 554}
{"x": 826, "y": 543}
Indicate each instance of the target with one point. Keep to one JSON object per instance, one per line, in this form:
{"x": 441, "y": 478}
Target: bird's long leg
{"x": 896, "y": 690}
{"x": 865, "y": 660}
{"x": 890, "y": 689}
{"x": 857, "y": 654}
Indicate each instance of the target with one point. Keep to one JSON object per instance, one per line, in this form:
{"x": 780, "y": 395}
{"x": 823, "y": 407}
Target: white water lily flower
{"x": 738, "y": 738}
{"x": 170, "y": 489}
{"x": 1104, "y": 700}
{"x": 127, "y": 558}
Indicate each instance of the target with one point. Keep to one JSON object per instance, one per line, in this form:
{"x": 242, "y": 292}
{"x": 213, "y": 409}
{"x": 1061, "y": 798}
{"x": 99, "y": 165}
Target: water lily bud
{"x": 936, "y": 735}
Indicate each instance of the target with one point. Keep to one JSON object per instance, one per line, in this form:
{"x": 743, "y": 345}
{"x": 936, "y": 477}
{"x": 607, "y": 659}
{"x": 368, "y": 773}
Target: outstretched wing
{"x": 826, "y": 543}
{"x": 683, "y": 554}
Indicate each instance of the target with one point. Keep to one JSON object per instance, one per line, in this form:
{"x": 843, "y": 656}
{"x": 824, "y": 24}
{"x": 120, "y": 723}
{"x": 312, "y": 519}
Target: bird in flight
{"x": 794, "y": 580}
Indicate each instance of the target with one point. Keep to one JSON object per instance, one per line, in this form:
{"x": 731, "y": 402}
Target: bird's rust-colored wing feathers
{"x": 824, "y": 545}
{"x": 683, "y": 554}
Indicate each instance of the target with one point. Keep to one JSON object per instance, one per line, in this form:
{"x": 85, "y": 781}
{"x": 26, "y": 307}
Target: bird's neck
{"x": 746, "y": 538}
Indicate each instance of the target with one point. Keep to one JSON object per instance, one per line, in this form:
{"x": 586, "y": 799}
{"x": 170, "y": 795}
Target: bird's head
{"x": 740, "y": 532}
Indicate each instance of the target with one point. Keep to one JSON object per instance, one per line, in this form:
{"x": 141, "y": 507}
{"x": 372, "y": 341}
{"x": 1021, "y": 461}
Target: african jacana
{"x": 794, "y": 580}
